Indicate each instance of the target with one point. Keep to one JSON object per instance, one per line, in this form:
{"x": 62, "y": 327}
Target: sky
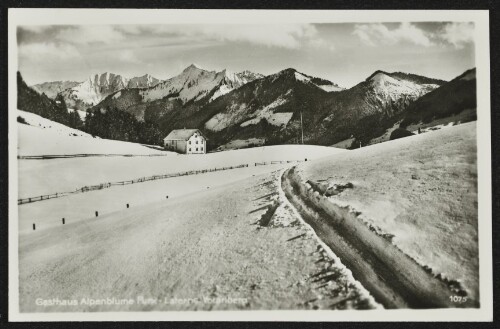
{"x": 344, "y": 53}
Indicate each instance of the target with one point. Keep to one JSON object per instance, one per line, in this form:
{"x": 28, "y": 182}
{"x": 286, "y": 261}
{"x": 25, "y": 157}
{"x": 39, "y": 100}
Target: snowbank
{"x": 420, "y": 191}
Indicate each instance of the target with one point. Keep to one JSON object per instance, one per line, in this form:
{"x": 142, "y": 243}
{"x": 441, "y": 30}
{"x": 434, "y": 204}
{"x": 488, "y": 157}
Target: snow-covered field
{"x": 45, "y": 137}
{"x": 191, "y": 252}
{"x": 422, "y": 190}
{"x": 82, "y": 206}
{"x": 37, "y": 177}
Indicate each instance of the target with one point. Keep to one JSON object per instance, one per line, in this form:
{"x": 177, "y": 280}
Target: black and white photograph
{"x": 177, "y": 164}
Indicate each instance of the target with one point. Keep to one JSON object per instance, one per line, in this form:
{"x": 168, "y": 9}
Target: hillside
{"x": 40, "y": 136}
{"x": 247, "y": 109}
{"x": 450, "y": 99}
{"x": 271, "y": 108}
{"x": 424, "y": 200}
{"x": 369, "y": 108}
{"x": 51, "y": 89}
{"x": 187, "y": 92}
{"x": 29, "y": 100}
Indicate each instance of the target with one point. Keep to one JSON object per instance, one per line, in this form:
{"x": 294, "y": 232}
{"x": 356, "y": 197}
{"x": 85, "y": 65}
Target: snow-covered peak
{"x": 391, "y": 86}
{"x": 144, "y": 81}
{"x": 381, "y": 79}
{"x": 193, "y": 68}
{"x": 194, "y": 83}
{"x": 238, "y": 79}
{"x": 301, "y": 77}
{"x": 106, "y": 80}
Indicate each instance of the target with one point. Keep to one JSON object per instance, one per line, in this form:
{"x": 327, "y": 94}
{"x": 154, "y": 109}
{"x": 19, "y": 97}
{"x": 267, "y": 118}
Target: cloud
{"x": 41, "y": 51}
{"x": 458, "y": 34}
{"x": 378, "y": 33}
{"x": 86, "y": 34}
{"x": 130, "y": 29}
{"x": 291, "y": 36}
{"x": 128, "y": 56}
{"x": 36, "y": 28}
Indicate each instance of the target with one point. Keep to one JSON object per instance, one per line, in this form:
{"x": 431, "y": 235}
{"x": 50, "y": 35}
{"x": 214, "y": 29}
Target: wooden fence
{"x": 141, "y": 180}
{"x": 126, "y": 182}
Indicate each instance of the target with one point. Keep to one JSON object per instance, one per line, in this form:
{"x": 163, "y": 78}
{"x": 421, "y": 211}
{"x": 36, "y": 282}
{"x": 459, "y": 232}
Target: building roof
{"x": 182, "y": 134}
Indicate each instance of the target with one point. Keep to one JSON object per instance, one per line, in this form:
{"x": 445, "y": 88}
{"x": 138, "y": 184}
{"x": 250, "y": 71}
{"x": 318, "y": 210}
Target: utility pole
{"x": 301, "y": 127}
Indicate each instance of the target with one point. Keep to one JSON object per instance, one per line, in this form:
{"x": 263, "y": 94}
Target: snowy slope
{"x": 233, "y": 81}
{"x": 49, "y": 126}
{"x": 51, "y": 89}
{"x": 388, "y": 88}
{"x": 425, "y": 196}
{"x": 321, "y": 83}
{"x": 195, "y": 83}
{"x": 46, "y": 137}
{"x": 145, "y": 81}
{"x": 271, "y": 100}
{"x": 94, "y": 89}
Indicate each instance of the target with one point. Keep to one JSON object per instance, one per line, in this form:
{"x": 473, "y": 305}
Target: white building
{"x": 187, "y": 141}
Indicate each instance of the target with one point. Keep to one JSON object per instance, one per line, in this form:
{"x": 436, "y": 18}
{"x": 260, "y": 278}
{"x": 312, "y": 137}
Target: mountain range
{"x": 280, "y": 108}
{"x": 82, "y": 95}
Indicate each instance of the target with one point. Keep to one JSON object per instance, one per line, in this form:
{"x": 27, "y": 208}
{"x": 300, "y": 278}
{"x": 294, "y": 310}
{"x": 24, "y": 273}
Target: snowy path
{"x": 203, "y": 245}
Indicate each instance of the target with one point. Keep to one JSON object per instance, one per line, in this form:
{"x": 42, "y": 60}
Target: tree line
{"x": 109, "y": 123}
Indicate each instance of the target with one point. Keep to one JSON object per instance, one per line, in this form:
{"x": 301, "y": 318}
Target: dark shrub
{"x": 21, "y": 120}
{"x": 400, "y": 133}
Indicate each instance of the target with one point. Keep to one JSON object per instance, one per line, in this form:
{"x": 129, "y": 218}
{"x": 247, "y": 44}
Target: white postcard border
{"x": 18, "y": 17}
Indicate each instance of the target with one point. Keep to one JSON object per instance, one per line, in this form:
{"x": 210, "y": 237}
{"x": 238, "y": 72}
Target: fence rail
{"x": 141, "y": 180}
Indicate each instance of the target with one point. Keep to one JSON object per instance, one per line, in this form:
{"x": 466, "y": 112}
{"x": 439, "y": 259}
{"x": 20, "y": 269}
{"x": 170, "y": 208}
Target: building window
{"x": 196, "y": 142}
{"x": 196, "y": 149}
{"x": 189, "y": 142}
{"x": 189, "y": 149}
{"x": 202, "y": 148}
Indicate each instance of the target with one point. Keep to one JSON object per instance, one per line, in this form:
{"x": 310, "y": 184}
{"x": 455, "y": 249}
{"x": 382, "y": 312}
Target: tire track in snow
{"x": 346, "y": 272}
{"x": 393, "y": 278}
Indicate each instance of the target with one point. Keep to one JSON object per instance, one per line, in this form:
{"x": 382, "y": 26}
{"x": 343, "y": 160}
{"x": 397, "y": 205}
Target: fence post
{"x": 96, "y": 213}
{"x": 34, "y": 227}
{"x": 63, "y": 221}
{"x": 127, "y": 205}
